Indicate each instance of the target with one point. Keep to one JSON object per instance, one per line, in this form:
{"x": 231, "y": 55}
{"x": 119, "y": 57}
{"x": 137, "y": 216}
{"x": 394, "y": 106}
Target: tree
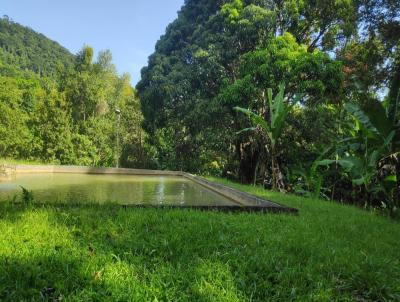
{"x": 313, "y": 74}
{"x": 69, "y": 118}
{"x": 14, "y": 131}
{"x": 52, "y": 128}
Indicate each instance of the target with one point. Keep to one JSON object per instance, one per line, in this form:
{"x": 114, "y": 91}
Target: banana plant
{"x": 272, "y": 128}
{"x": 381, "y": 141}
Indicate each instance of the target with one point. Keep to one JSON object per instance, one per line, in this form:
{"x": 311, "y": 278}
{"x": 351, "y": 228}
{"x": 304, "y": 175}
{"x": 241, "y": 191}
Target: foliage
{"x": 372, "y": 153}
{"x": 218, "y": 55}
{"x": 215, "y": 56}
{"x": 271, "y": 124}
{"x": 26, "y": 49}
{"x": 309, "y": 178}
{"x": 68, "y": 118}
{"x": 27, "y": 196}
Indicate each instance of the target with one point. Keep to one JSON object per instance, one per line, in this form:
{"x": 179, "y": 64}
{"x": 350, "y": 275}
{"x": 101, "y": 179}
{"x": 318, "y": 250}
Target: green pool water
{"x": 122, "y": 189}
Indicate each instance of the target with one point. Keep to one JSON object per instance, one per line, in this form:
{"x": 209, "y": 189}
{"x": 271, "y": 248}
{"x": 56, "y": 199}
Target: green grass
{"x": 329, "y": 252}
{"x": 11, "y": 161}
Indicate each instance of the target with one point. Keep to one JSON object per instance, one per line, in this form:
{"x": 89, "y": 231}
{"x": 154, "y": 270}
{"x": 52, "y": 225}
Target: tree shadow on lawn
{"x": 38, "y": 278}
{"x": 101, "y": 263}
{"x": 126, "y": 254}
{"x": 68, "y": 278}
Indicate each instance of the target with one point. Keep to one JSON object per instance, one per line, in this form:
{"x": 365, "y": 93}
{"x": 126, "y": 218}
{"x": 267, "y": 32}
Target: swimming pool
{"x": 128, "y": 187}
{"x": 114, "y": 188}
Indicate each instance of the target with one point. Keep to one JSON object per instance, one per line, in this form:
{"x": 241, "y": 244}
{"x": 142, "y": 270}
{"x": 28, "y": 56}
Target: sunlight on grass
{"x": 216, "y": 283}
{"x": 80, "y": 253}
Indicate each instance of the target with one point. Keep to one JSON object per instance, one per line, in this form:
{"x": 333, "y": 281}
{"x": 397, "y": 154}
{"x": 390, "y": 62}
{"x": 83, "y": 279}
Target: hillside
{"x": 64, "y": 115}
{"x": 25, "y": 48}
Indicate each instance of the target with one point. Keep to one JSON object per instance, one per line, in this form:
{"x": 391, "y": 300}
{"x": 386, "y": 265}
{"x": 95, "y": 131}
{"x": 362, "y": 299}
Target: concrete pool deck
{"x": 245, "y": 202}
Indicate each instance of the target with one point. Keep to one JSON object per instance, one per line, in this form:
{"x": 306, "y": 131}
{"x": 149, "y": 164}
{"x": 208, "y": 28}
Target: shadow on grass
{"x": 105, "y": 252}
{"x": 40, "y": 278}
{"x": 101, "y": 262}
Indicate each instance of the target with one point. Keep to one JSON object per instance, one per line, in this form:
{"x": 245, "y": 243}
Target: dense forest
{"x": 23, "y": 48}
{"x": 299, "y": 96}
{"x": 62, "y": 108}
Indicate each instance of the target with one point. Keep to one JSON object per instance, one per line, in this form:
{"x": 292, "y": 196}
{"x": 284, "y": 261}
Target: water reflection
{"x": 160, "y": 191}
{"x": 124, "y": 189}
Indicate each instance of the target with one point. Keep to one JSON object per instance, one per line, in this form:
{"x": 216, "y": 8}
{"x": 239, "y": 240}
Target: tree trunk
{"x": 255, "y": 171}
{"x": 248, "y": 162}
{"x": 394, "y": 92}
{"x": 277, "y": 178}
{"x": 394, "y": 103}
{"x": 397, "y": 191}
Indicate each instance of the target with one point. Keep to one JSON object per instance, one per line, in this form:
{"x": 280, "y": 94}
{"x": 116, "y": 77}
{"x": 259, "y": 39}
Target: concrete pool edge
{"x": 246, "y": 202}
{"x": 90, "y": 170}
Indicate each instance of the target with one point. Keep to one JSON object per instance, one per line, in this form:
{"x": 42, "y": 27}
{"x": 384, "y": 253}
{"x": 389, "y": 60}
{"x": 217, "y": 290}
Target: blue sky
{"x": 129, "y": 28}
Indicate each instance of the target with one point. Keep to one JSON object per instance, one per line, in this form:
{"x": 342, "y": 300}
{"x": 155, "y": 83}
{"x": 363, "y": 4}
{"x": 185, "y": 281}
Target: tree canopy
{"x": 220, "y": 54}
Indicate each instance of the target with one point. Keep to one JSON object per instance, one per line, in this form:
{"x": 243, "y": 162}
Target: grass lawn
{"x": 10, "y": 161}
{"x": 329, "y": 252}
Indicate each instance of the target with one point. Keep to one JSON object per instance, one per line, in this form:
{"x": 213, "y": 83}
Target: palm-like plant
{"x": 272, "y": 127}
{"x": 380, "y": 138}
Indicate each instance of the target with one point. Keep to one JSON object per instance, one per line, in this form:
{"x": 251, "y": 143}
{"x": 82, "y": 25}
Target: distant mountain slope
{"x": 25, "y": 48}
